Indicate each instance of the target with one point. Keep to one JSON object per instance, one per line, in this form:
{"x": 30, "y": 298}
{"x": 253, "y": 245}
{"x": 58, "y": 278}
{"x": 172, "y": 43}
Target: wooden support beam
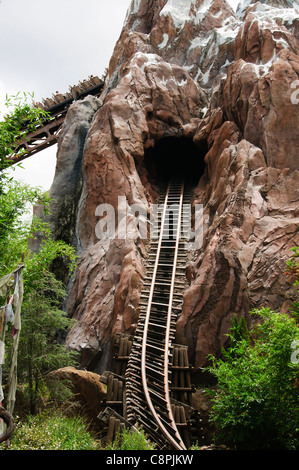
{"x": 46, "y": 135}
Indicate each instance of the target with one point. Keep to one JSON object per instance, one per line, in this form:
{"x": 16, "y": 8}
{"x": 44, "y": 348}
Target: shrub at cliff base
{"x": 256, "y": 403}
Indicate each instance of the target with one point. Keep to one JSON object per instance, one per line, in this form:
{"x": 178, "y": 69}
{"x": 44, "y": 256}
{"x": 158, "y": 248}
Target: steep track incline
{"x": 147, "y": 377}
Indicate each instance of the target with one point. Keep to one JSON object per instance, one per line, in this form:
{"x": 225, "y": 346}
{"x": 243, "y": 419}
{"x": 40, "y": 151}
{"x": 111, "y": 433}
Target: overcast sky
{"x": 46, "y": 46}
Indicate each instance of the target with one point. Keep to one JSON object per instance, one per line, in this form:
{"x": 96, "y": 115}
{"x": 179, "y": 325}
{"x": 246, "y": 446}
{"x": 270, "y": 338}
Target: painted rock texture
{"x": 226, "y": 84}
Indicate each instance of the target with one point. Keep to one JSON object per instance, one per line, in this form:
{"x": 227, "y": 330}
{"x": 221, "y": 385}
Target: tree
{"x": 44, "y": 324}
{"x": 41, "y": 347}
{"x": 20, "y": 119}
{"x": 16, "y": 223}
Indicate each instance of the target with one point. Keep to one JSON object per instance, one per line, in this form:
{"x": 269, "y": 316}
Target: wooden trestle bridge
{"x": 46, "y": 134}
{"x": 151, "y": 385}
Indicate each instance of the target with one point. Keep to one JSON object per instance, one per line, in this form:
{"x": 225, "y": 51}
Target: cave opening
{"x": 175, "y": 157}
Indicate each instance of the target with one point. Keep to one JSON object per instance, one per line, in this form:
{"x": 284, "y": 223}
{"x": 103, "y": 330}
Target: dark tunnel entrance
{"x": 175, "y": 157}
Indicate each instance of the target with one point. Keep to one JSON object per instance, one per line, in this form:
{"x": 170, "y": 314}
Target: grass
{"x": 131, "y": 440}
{"x": 60, "y": 432}
{"x": 56, "y": 432}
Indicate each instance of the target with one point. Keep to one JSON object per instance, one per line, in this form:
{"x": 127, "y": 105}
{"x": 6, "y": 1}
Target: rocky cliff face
{"x": 227, "y": 83}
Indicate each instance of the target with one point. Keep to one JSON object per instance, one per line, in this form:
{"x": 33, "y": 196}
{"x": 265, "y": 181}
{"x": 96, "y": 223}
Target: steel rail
{"x": 176, "y": 441}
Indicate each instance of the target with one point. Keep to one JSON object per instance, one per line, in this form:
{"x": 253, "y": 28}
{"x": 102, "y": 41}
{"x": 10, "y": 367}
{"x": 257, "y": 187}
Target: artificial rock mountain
{"x": 226, "y": 84}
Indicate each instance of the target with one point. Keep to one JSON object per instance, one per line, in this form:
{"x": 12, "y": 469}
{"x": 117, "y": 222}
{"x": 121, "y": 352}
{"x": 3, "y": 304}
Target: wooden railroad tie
{"x": 181, "y": 387}
{"x": 124, "y": 344}
{"x": 114, "y": 423}
{"x": 115, "y": 389}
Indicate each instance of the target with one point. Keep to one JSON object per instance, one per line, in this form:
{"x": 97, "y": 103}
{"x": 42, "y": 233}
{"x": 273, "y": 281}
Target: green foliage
{"x": 293, "y": 270}
{"x": 131, "y": 440}
{"x": 44, "y": 324}
{"x": 256, "y": 404}
{"x": 20, "y": 119}
{"x": 57, "y": 432}
{"x": 39, "y": 263}
{"x": 15, "y": 231}
{"x": 16, "y": 224}
{"x": 293, "y": 263}
{"x": 238, "y": 332}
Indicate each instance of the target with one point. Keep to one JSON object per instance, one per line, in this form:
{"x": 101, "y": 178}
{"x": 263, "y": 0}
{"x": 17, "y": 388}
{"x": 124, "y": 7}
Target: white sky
{"x": 49, "y": 45}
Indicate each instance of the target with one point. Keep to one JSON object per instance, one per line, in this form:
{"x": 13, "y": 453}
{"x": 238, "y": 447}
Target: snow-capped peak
{"x": 244, "y": 4}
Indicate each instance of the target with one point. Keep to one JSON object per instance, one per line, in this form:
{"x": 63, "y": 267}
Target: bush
{"x": 256, "y": 404}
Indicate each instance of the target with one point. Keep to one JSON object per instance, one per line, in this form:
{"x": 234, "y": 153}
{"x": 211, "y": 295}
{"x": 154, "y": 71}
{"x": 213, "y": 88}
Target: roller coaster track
{"x": 46, "y": 134}
{"x": 148, "y": 377}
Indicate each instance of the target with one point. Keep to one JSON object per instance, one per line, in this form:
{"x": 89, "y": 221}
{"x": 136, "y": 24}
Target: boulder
{"x": 87, "y": 388}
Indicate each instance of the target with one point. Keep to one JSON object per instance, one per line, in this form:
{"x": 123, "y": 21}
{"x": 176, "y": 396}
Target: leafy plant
{"x": 16, "y": 224}
{"x": 293, "y": 264}
{"x": 131, "y": 440}
{"x": 20, "y": 119}
{"x": 256, "y": 404}
{"x": 293, "y": 270}
{"x": 238, "y": 332}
